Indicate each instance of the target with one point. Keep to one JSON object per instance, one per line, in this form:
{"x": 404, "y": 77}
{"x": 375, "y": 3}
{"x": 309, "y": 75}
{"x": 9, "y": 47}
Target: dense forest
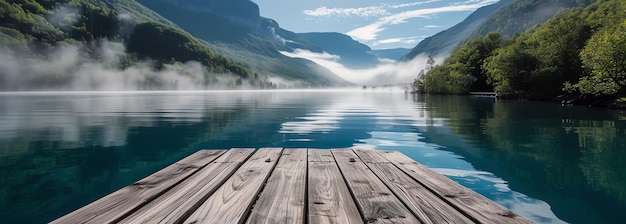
{"x": 581, "y": 51}
{"x": 33, "y": 32}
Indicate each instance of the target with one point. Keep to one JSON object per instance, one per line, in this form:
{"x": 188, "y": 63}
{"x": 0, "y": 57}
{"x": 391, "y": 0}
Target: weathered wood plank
{"x": 475, "y": 205}
{"x": 421, "y": 201}
{"x": 320, "y": 155}
{"x": 329, "y": 199}
{"x": 232, "y": 201}
{"x": 283, "y": 199}
{"x": 375, "y": 201}
{"x": 178, "y": 203}
{"x": 120, "y": 203}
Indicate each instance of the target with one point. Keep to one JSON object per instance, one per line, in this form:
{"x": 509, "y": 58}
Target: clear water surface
{"x": 551, "y": 164}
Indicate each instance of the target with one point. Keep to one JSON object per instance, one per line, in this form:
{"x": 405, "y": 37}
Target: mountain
{"x": 506, "y": 16}
{"x": 235, "y": 28}
{"x": 393, "y": 54}
{"x": 104, "y": 45}
{"x": 576, "y": 56}
{"x": 352, "y": 53}
{"x": 444, "y": 42}
{"x": 521, "y": 15}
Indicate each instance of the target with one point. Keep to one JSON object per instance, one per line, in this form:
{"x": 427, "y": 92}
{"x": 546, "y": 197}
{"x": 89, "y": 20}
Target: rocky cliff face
{"x": 244, "y": 12}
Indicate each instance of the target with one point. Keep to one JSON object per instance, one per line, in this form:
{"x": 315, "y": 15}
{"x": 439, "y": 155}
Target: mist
{"x": 69, "y": 67}
{"x": 101, "y": 65}
{"x": 384, "y": 73}
{"x": 63, "y": 17}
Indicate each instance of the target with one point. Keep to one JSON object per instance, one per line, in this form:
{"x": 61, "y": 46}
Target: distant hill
{"x": 352, "y": 53}
{"x": 235, "y": 29}
{"x": 393, "y": 54}
{"x": 521, "y": 15}
{"x": 506, "y": 16}
{"x": 444, "y": 42}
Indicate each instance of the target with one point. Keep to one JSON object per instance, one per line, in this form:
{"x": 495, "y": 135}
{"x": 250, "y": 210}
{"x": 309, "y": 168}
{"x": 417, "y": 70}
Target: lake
{"x": 547, "y": 162}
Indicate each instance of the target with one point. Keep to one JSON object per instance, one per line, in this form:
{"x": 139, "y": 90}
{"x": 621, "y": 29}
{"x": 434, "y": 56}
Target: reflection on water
{"x": 549, "y": 163}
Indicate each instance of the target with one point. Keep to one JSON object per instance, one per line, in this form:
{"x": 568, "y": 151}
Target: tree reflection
{"x": 554, "y": 153}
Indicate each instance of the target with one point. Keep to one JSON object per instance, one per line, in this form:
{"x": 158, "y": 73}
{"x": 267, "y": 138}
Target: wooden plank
{"x": 120, "y": 203}
{"x": 471, "y": 203}
{"x": 179, "y": 202}
{"x": 421, "y": 201}
{"x": 329, "y": 199}
{"x": 283, "y": 199}
{"x": 375, "y": 201}
{"x": 232, "y": 201}
{"x": 320, "y": 155}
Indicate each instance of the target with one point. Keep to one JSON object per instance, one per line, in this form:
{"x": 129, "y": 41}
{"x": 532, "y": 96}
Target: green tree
{"x": 467, "y": 60}
{"x": 509, "y": 70}
{"x": 605, "y": 58}
{"x": 462, "y": 71}
{"x": 556, "y": 46}
{"x": 418, "y": 83}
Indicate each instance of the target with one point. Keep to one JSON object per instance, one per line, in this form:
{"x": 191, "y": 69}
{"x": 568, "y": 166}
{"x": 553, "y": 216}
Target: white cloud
{"x": 411, "y": 4}
{"x": 390, "y": 41}
{"x": 345, "y": 12}
{"x": 432, "y": 26}
{"x": 370, "y": 32}
{"x": 404, "y": 40}
{"x": 369, "y": 11}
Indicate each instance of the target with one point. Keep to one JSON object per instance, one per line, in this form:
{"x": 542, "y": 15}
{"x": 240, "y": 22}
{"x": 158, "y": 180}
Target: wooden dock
{"x": 276, "y": 185}
{"x": 484, "y": 94}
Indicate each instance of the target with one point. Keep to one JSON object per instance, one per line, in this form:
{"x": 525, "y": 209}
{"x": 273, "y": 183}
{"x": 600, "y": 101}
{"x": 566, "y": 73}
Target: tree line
{"x": 579, "y": 51}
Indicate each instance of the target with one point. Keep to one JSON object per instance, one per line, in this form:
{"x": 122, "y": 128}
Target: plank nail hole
{"x": 352, "y": 160}
{"x": 384, "y": 193}
{"x": 268, "y": 160}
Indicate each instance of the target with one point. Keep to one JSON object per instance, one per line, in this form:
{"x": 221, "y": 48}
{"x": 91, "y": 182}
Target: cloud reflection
{"x": 394, "y": 124}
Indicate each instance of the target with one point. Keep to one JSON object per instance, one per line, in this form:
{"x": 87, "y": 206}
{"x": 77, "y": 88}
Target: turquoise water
{"x": 551, "y": 164}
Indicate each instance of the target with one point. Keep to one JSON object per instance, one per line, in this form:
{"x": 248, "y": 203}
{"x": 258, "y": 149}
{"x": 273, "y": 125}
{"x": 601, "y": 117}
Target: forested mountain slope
{"x": 521, "y": 15}
{"x": 580, "y": 52}
{"x": 88, "y": 45}
{"x": 444, "y": 42}
{"x": 506, "y": 17}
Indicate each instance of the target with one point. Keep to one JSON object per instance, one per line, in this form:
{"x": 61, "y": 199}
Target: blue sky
{"x": 377, "y": 23}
